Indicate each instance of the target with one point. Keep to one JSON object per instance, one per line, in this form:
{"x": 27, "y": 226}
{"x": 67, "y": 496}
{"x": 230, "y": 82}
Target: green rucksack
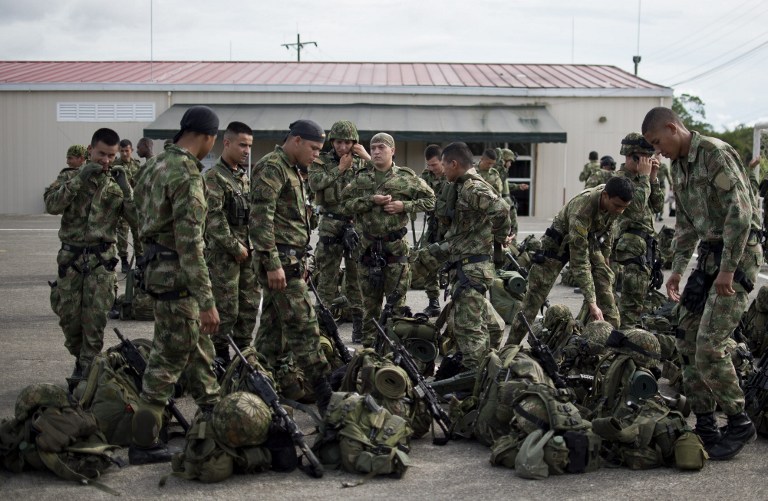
{"x": 111, "y": 393}
{"x": 363, "y": 437}
{"x": 235, "y": 378}
{"x": 755, "y": 323}
{"x": 51, "y": 431}
{"x": 505, "y": 302}
{"x": 568, "y": 443}
{"x": 500, "y": 378}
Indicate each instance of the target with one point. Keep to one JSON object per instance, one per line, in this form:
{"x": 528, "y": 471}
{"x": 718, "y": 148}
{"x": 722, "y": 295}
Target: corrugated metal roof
{"x": 323, "y": 74}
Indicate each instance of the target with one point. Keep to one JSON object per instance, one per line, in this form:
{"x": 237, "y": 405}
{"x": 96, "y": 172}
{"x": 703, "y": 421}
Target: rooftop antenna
{"x": 636, "y": 59}
{"x": 299, "y": 45}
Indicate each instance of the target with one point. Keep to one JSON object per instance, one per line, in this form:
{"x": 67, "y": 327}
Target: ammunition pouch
{"x": 335, "y": 216}
{"x": 447, "y": 206}
{"x": 157, "y": 252}
{"x": 349, "y": 240}
{"x": 389, "y": 237}
{"x": 236, "y": 209}
{"x": 463, "y": 282}
{"x": 542, "y": 255}
{"x": 555, "y": 235}
{"x": 96, "y": 250}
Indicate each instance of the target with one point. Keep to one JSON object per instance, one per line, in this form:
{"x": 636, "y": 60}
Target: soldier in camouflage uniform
{"x": 381, "y": 198}
{"x": 328, "y": 175}
{"x": 581, "y": 234}
{"x": 90, "y": 200}
{"x": 170, "y": 197}
{"x": 76, "y": 156}
{"x": 131, "y": 167}
{"x": 636, "y": 235}
{"x": 480, "y": 218}
{"x": 280, "y": 231}
{"x": 664, "y": 178}
{"x": 228, "y": 249}
{"x": 716, "y": 207}
{"x": 434, "y": 176}
{"x": 590, "y": 167}
{"x": 606, "y": 171}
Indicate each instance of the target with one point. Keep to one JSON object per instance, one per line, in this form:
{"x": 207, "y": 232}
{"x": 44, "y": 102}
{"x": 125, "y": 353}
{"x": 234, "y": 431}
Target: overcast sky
{"x": 715, "y": 50}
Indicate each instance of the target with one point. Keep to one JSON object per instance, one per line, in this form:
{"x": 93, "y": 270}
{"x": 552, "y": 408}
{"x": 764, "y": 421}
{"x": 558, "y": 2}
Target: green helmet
{"x": 345, "y": 130}
{"x": 77, "y": 150}
{"x": 556, "y": 315}
{"x": 641, "y": 345}
{"x": 40, "y": 395}
{"x": 635, "y": 144}
{"x": 595, "y": 336}
{"x": 241, "y": 419}
{"x": 508, "y": 154}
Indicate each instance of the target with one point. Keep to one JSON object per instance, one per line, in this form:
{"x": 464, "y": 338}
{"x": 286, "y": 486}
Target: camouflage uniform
{"x": 235, "y": 287}
{"x": 434, "y": 233}
{"x": 480, "y": 218}
{"x": 716, "y": 204}
{"x": 279, "y": 228}
{"x": 383, "y": 233}
{"x": 327, "y": 184}
{"x": 131, "y": 168}
{"x": 663, "y": 177}
{"x": 589, "y": 169}
{"x": 85, "y": 289}
{"x": 585, "y": 239}
{"x": 599, "y": 177}
{"x": 171, "y": 200}
{"x": 636, "y": 233}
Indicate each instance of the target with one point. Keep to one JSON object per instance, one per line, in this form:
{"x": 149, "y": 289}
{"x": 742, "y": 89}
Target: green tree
{"x": 692, "y": 112}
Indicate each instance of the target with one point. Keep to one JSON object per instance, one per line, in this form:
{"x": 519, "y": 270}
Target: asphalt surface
{"x": 32, "y": 351}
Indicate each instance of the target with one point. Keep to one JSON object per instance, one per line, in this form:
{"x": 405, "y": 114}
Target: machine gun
{"x": 326, "y": 321}
{"x": 136, "y": 361}
{"x": 544, "y": 355}
{"x": 403, "y": 358}
{"x": 386, "y": 312}
{"x": 260, "y": 385}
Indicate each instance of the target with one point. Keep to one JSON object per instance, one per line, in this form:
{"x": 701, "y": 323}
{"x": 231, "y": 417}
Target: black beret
{"x": 307, "y": 129}
{"x": 198, "y": 119}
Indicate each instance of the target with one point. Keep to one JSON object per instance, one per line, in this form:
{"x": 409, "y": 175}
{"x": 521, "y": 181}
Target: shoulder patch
{"x": 723, "y": 181}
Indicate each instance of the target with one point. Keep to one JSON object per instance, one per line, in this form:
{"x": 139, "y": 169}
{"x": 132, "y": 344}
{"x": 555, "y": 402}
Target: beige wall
{"x": 33, "y": 144}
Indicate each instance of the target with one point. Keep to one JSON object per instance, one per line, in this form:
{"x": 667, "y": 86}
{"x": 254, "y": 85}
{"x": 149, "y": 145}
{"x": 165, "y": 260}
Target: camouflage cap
{"x": 345, "y": 130}
{"x": 383, "y": 137}
{"x": 641, "y": 345}
{"x": 77, "y": 150}
{"x": 635, "y": 144}
{"x": 241, "y": 419}
{"x": 595, "y": 335}
{"x": 508, "y": 154}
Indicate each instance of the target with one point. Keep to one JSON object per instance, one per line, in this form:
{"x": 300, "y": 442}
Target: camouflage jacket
{"x": 498, "y": 182}
{"x": 170, "y": 197}
{"x": 399, "y": 182}
{"x": 600, "y": 176}
{"x": 226, "y": 192}
{"x": 714, "y": 201}
{"x": 435, "y": 230}
{"x": 131, "y": 168}
{"x": 327, "y": 182}
{"x": 480, "y": 217}
{"x": 647, "y": 201}
{"x": 89, "y": 210}
{"x": 663, "y": 176}
{"x": 587, "y": 230}
{"x": 589, "y": 169}
{"x": 280, "y": 213}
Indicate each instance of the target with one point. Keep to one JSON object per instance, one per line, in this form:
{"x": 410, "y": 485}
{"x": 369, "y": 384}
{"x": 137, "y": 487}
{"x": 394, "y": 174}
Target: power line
{"x": 299, "y": 45}
{"x": 722, "y": 65}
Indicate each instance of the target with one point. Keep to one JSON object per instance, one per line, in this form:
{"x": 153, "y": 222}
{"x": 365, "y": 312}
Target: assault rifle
{"x": 542, "y": 352}
{"x": 326, "y": 321}
{"x": 403, "y": 358}
{"x": 515, "y": 266}
{"x": 136, "y": 361}
{"x": 756, "y": 390}
{"x": 260, "y": 385}
{"x": 386, "y": 312}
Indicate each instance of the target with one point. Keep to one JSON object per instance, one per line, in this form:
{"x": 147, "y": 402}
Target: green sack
{"x": 529, "y": 462}
{"x": 202, "y": 458}
{"x": 689, "y": 452}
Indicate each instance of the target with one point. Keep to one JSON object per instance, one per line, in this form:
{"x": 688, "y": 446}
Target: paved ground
{"x": 33, "y": 351}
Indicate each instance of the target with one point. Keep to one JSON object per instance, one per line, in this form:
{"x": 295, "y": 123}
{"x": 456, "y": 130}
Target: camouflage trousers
{"x": 238, "y": 294}
{"x": 179, "y": 347}
{"x": 709, "y": 377}
{"x": 122, "y": 239}
{"x": 432, "y": 285}
{"x": 81, "y": 301}
{"x": 395, "y": 276}
{"x": 289, "y": 326}
{"x": 541, "y": 278}
{"x": 328, "y": 260}
{"x": 634, "y": 289}
{"x": 473, "y": 321}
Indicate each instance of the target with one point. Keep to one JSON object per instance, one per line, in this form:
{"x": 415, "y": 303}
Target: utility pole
{"x": 299, "y": 45}
{"x": 636, "y": 59}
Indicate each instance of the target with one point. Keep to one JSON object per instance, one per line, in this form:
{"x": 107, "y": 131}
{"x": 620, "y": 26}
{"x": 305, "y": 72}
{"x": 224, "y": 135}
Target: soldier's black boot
{"x": 433, "y": 310}
{"x": 707, "y": 430}
{"x": 357, "y": 328}
{"x": 76, "y": 377}
{"x": 145, "y": 447}
{"x": 125, "y": 266}
{"x": 739, "y": 432}
{"x": 323, "y": 391}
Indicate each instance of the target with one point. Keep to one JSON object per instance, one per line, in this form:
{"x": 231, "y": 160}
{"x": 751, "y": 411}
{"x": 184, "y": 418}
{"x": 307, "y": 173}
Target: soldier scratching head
{"x": 343, "y": 136}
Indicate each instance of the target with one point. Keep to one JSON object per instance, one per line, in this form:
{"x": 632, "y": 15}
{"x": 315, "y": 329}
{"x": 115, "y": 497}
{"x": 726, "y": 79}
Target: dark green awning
{"x": 513, "y": 124}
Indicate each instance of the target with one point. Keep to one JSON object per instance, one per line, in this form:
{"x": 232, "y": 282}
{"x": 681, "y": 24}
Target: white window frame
{"x": 69, "y": 111}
